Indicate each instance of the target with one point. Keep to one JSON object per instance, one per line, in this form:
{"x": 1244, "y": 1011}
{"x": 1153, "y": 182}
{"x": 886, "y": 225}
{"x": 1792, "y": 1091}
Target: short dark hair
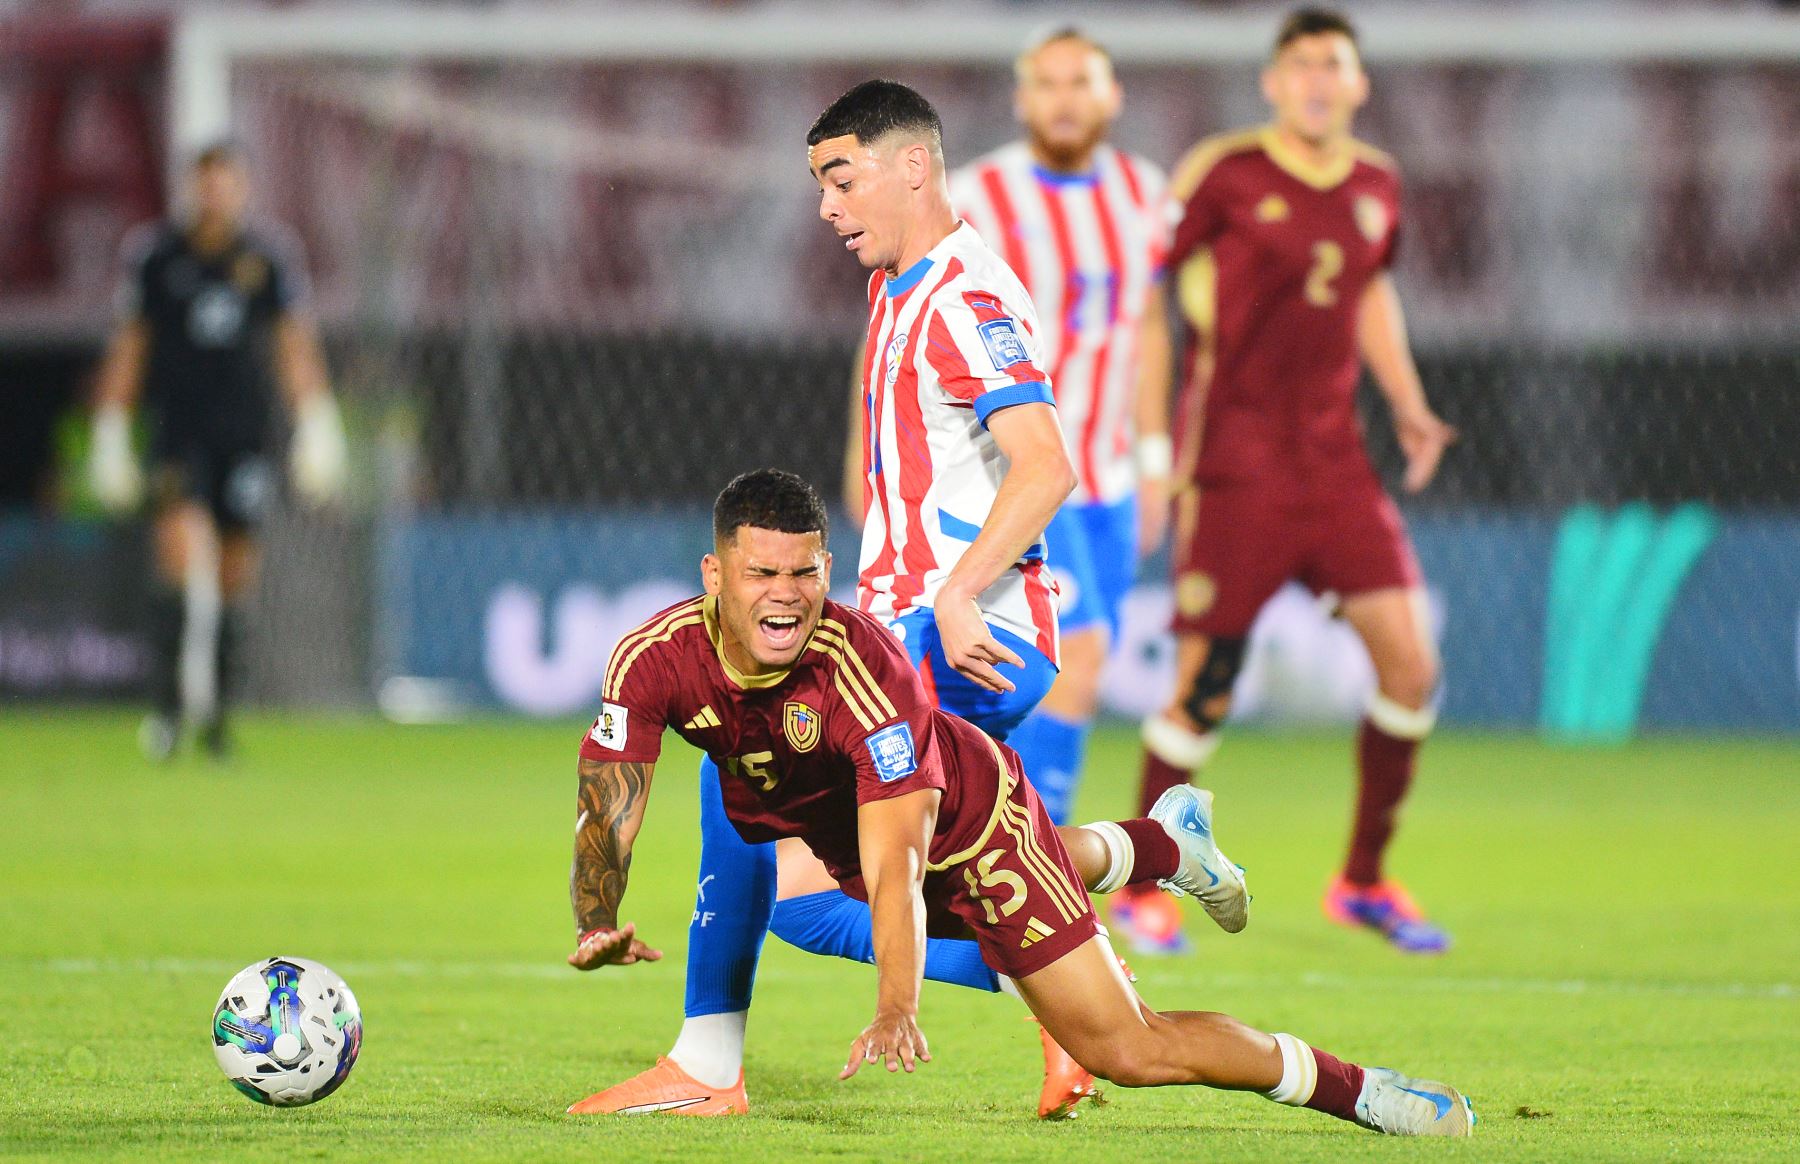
{"x": 1314, "y": 22}
{"x": 874, "y": 109}
{"x": 223, "y": 152}
{"x": 768, "y": 499}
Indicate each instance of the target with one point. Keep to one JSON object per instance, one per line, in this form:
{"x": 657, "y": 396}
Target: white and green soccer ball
{"x": 286, "y": 1031}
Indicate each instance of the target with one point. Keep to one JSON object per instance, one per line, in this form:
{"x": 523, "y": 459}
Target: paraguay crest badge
{"x": 801, "y": 725}
{"x": 896, "y": 351}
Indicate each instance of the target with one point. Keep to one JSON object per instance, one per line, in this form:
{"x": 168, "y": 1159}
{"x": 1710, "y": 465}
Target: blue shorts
{"x": 992, "y": 712}
{"x": 1093, "y": 553}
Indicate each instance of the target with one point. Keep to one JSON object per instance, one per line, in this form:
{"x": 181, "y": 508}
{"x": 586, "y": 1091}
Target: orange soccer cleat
{"x": 1066, "y": 1082}
{"x": 666, "y": 1088}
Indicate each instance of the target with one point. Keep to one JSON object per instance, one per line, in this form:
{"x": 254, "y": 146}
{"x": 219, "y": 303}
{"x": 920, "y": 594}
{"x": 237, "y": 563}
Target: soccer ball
{"x": 286, "y": 1031}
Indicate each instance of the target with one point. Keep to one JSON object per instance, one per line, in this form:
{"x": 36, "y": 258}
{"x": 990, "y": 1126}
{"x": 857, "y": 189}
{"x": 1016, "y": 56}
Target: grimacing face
{"x": 863, "y": 194}
{"x": 1066, "y": 99}
{"x": 221, "y": 190}
{"x": 771, "y": 589}
{"x": 1316, "y": 84}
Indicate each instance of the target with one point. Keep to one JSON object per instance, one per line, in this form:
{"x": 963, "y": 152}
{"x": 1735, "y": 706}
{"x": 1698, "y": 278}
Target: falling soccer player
{"x": 963, "y": 463}
{"x": 823, "y": 731}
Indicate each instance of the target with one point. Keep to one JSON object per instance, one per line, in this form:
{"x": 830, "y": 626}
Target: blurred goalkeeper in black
{"x": 213, "y": 317}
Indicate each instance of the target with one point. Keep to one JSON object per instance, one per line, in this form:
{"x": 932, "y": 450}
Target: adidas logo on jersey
{"x": 705, "y": 718}
{"x": 1035, "y": 932}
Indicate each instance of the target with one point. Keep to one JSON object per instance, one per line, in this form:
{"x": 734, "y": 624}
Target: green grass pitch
{"x": 1623, "y": 984}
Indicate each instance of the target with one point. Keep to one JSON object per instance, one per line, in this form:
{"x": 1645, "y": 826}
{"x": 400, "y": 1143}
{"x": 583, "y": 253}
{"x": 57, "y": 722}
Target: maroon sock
{"x": 1155, "y": 856}
{"x": 1385, "y": 769}
{"x": 1339, "y": 1085}
{"x": 1159, "y": 777}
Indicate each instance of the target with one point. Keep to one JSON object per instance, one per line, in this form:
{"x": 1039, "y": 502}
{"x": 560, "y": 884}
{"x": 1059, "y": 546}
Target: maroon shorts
{"x": 1236, "y": 544}
{"x": 1016, "y": 892}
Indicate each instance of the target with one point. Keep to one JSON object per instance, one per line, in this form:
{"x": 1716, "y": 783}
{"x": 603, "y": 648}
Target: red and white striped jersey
{"x": 1089, "y": 248}
{"x": 952, "y": 340}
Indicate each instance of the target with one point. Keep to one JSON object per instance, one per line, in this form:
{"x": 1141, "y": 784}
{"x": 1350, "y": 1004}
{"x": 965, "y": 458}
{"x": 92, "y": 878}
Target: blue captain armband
{"x": 988, "y": 403}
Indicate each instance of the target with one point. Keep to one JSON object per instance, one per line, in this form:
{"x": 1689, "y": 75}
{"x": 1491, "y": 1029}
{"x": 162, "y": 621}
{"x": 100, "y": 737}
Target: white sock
{"x": 1176, "y": 745}
{"x": 1299, "y": 1073}
{"x": 1399, "y": 720}
{"x": 711, "y": 1048}
{"x": 1121, "y": 854}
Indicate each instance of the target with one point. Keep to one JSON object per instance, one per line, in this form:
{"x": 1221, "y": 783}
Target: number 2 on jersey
{"x": 1328, "y": 264}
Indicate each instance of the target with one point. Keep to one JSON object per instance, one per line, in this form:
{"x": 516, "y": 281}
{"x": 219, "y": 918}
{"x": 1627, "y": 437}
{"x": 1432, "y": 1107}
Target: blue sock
{"x": 731, "y": 909}
{"x": 834, "y": 923}
{"x": 1052, "y": 750}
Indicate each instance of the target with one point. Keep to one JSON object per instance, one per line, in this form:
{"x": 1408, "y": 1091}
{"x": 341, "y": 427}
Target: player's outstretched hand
{"x": 618, "y": 947}
{"x": 894, "y": 1038}
{"x": 970, "y": 646}
{"x": 1423, "y": 438}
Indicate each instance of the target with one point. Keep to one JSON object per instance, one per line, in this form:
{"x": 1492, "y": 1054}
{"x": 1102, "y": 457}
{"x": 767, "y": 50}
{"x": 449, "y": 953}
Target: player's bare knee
{"x": 1412, "y": 682}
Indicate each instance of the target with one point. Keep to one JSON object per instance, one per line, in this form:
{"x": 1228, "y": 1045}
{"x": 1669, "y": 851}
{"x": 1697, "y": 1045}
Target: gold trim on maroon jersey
{"x": 658, "y": 630}
{"x": 1007, "y": 781}
{"x": 1197, "y": 291}
{"x": 1326, "y": 175}
{"x": 1193, "y": 168}
{"x": 709, "y": 607}
{"x": 1017, "y": 824}
{"x": 854, "y": 681}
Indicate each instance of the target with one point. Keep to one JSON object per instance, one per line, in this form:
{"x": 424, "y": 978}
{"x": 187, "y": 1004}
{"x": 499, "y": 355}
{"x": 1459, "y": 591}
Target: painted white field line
{"x": 1156, "y": 978}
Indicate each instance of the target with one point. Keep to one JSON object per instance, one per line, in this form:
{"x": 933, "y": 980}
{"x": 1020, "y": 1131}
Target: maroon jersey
{"x": 849, "y": 723}
{"x": 1272, "y": 256}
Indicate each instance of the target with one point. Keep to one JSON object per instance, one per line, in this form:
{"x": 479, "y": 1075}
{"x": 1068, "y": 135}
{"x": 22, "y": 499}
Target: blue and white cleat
{"x": 1185, "y": 813}
{"x": 1394, "y": 1105}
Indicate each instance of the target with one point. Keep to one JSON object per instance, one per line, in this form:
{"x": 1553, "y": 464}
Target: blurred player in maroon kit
{"x": 823, "y": 730}
{"x": 1282, "y": 252}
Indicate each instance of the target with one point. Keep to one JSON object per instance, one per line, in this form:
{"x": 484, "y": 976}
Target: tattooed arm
{"x": 610, "y": 806}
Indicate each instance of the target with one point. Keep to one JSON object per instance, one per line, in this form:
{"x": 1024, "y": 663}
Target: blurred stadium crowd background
{"x": 570, "y": 280}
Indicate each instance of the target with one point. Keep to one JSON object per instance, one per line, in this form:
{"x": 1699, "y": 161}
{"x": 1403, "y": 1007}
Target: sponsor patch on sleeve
{"x": 1004, "y": 345}
{"x": 609, "y": 729}
{"x": 892, "y": 750}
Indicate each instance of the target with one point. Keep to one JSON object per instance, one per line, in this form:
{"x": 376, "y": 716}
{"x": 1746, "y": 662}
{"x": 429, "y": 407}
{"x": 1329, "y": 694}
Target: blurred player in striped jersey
{"x": 1282, "y": 252}
{"x": 1083, "y": 225}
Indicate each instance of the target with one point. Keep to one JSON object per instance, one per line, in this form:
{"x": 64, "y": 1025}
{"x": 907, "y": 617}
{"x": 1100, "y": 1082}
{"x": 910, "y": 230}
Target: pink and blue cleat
{"x": 1148, "y": 920}
{"x": 1389, "y": 910}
